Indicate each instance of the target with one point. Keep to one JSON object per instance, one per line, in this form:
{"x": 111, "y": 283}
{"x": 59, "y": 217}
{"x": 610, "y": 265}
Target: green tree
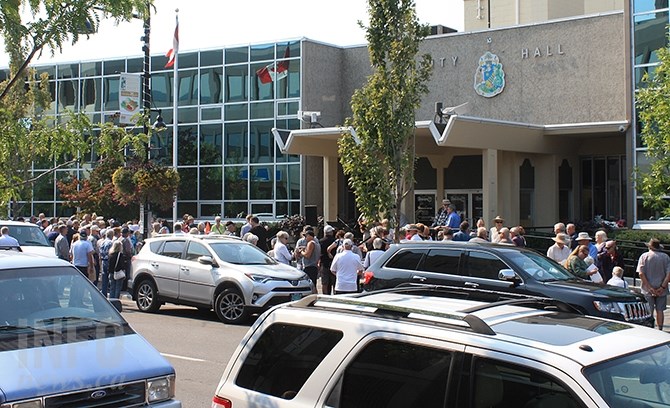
{"x": 653, "y": 102}
{"x": 380, "y": 164}
{"x": 29, "y": 28}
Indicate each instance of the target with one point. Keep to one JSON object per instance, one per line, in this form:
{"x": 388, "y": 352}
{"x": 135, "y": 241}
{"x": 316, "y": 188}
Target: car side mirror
{"x": 507, "y": 275}
{"x": 206, "y": 260}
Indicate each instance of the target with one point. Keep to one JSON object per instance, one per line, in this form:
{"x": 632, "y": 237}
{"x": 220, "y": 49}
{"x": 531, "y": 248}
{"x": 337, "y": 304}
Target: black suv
{"x": 502, "y": 268}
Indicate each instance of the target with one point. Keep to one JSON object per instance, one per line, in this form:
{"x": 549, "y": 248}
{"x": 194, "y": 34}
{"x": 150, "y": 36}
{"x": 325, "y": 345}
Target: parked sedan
{"x": 232, "y": 276}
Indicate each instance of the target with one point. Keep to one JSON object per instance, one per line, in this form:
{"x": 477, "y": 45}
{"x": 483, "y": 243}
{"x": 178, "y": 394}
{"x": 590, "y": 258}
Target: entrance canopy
{"x": 463, "y": 132}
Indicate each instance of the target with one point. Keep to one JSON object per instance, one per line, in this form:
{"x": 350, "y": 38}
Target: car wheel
{"x": 146, "y": 297}
{"x": 229, "y": 306}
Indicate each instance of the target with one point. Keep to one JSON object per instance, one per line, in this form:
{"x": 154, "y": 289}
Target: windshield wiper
{"x": 75, "y": 319}
{"x": 13, "y": 327}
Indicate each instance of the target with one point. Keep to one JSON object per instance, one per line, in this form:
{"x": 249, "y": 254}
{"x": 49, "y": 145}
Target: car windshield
{"x": 51, "y": 299}
{"x": 539, "y": 267}
{"x": 28, "y": 235}
{"x": 241, "y": 253}
{"x": 639, "y": 379}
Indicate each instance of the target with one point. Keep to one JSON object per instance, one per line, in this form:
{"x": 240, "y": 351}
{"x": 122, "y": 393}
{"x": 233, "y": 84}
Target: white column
{"x": 490, "y": 185}
{"x": 330, "y": 196}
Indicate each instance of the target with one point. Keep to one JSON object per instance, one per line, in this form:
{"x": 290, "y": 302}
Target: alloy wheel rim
{"x": 145, "y": 296}
{"x": 232, "y": 306}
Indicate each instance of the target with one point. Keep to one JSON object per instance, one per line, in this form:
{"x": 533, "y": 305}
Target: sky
{"x": 222, "y": 23}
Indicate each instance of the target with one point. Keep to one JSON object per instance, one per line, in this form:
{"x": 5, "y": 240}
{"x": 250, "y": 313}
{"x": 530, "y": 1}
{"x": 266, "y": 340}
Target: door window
{"x": 173, "y": 249}
{"x": 442, "y": 261}
{"x": 498, "y": 384}
{"x": 484, "y": 265}
{"x": 393, "y": 374}
{"x": 406, "y": 259}
{"x": 195, "y": 251}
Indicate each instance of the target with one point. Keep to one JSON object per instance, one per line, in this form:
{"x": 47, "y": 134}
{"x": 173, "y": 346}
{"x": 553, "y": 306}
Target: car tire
{"x": 229, "y": 306}
{"x": 146, "y": 297}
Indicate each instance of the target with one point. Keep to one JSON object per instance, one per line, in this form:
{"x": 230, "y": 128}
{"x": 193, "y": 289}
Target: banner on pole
{"x": 129, "y": 96}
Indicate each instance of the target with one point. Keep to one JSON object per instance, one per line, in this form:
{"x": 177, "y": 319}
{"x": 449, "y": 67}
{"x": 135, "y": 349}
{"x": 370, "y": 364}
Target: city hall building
{"x": 537, "y": 120}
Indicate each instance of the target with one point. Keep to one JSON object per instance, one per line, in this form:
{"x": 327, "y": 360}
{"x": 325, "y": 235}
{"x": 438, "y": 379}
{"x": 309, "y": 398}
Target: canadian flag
{"x": 172, "y": 54}
{"x": 274, "y": 72}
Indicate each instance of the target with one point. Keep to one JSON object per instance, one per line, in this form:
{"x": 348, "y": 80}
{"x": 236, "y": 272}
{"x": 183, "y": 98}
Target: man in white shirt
{"x": 7, "y": 240}
{"x": 346, "y": 266}
{"x": 82, "y": 255}
{"x": 560, "y": 251}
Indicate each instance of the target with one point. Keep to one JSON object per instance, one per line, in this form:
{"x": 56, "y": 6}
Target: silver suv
{"x": 232, "y": 276}
{"x": 434, "y": 347}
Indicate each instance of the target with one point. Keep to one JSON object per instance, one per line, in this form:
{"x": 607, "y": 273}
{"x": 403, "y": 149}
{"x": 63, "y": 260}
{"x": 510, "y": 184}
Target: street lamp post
{"x": 146, "y": 102}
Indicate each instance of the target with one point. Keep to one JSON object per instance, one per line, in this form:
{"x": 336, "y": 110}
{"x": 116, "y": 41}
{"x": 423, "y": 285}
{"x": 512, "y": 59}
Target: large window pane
{"x": 236, "y": 55}
{"x": 161, "y": 89}
{"x": 235, "y": 182}
{"x": 262, "y": 52}
{"x": 68, "y": 71}
{"x": 90, "y": 95}
{"x": 650, "y": 31}
{"x": 210, "y": 85}
{"x": 161, "y": 147}
{"x": 113, "y": 67}
{"x": 187, "y": 144}
{"x": 91, "y": 69}
{"x": 639, "y": 75}
{"x": 236, "y": 83}
{"x": 289, "y": 86}
{"x": 263, "y": 110}
{"x": 288, "y": 182}
{"x": 135, "y": 65}
{"x": 188, "y": 87}
{"x": 43, "y": 188}
{"x": 211, "y": 182}
{"x": 235, "y": 112}
{"x": 214, "y": 57}
{"x": 261, "y": 183}
{"x": 111, "y": 85}
{"x": 68, "y": 91}
{"x": 211, "y": 144}
{"x": 261, "y": 142}
{"x": 187, "y": 188}
{"x": 289, "y": 124}
{"x": 236, "y": 143}
{"x": 259, "y": 90}
{"x": 234, "y": 209}
{"x": 188, "y": 60}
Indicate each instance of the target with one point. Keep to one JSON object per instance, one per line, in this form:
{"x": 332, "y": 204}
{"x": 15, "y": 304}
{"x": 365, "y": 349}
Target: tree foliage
{"x": 653, "y": 103}
{"x": 27, "y": 136}
{"x": 381, "y": 167}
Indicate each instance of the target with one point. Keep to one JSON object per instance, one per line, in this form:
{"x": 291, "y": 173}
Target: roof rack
{"x": 458, "y": 319}
{"x": 492, "y": 297}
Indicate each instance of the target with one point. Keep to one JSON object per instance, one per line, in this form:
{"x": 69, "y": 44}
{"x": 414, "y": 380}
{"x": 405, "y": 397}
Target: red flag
{"x": 172, "y": 54}
{"x": 274, "y": 72}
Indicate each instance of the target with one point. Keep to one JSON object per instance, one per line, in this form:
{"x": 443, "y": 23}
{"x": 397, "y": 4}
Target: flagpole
{"x": 175, "y": 117}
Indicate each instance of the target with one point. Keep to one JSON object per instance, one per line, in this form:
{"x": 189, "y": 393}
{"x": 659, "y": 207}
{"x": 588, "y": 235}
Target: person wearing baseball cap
{"x": 347, "y": 267}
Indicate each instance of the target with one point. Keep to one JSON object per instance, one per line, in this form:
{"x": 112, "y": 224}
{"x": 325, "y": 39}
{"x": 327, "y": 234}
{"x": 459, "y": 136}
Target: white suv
{"x": 232, "y": 276}
{"x": 436, "y": 347}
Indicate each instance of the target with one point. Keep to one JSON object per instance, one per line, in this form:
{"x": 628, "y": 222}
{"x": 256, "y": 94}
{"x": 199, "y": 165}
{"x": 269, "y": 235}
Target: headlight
{"x": 27, "y": 404}
{"x": 258, "y": 278}
{"x": 609, "y": 307}
{"x": 160, "y": 389}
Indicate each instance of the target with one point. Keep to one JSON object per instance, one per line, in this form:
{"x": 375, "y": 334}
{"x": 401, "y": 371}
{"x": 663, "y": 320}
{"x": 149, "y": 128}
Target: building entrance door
{"x": 469, "y": 204}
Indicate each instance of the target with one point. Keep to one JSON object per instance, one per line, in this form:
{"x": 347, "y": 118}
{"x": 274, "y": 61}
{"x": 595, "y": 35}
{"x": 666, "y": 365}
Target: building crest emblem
{"x": 489, "y": 77}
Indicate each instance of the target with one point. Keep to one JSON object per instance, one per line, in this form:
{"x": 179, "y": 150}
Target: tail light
{"x": 218, "y": 402}
{"x": 367, "y": 277}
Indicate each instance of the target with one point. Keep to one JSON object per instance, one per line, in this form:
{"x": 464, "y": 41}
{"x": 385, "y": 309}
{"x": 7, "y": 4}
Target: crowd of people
{"x": 101, "y": 249}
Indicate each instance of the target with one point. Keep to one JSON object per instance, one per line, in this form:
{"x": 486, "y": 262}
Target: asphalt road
{"x": 196, "y": 343}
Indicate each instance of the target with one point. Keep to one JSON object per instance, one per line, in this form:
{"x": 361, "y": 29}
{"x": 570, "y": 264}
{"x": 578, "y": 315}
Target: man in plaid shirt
{"x": 442, "y": 214}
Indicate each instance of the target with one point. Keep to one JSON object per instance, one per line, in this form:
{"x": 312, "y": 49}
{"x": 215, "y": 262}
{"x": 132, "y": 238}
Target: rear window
{"x": 406, "y": 259}
{"x": 284, "y": 357}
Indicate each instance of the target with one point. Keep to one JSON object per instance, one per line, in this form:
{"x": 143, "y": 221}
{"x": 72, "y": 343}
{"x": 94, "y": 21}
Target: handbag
{"x": 119, "y": 275}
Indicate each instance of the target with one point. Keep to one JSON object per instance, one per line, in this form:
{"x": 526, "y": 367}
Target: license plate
{"x": 296, "y": 296}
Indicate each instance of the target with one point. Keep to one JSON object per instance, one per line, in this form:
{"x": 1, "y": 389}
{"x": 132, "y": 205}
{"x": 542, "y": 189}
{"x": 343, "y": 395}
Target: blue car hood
{"x": 53, "y": 369}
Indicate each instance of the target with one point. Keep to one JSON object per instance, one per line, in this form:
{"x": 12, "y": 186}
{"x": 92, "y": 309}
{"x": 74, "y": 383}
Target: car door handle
{"x": 419, "y": 278}
{"x": 471, "y": 284}
{"x": 184, "y": 269}
{"x": 154, "y": 264}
